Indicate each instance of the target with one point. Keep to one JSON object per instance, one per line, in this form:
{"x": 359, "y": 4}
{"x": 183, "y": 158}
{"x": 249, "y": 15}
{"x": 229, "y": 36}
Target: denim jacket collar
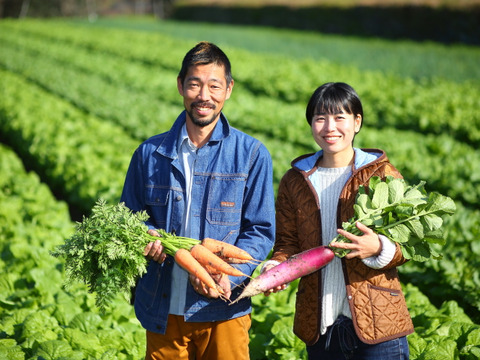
{"x": 169, "y": 145}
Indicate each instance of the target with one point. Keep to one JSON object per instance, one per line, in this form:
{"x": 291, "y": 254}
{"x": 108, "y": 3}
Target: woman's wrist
{"x": 386, "y": 254}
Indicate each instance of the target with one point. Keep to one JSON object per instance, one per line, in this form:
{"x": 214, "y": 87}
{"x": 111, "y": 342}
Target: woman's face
{"x": 334, "y": 133}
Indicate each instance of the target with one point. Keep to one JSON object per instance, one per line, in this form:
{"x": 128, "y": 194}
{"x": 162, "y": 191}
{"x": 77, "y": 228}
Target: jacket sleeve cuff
{"x": 385, "y": 256}
{"x": 268, "y": 262}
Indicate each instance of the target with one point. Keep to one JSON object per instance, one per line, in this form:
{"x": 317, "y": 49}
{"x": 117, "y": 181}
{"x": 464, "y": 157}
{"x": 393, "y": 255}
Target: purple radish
{"x": 293, "y": 268}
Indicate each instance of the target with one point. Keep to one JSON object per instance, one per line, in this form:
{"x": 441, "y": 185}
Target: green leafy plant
{"x": 404, "y": 213}
{"x": 79, "y": 137}
{"x": 106, "y": 250}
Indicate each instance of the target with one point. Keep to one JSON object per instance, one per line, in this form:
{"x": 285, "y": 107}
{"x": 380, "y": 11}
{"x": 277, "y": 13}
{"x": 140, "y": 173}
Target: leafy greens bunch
{"x": 106, "y": 251}
{"x": 404, "y": 213}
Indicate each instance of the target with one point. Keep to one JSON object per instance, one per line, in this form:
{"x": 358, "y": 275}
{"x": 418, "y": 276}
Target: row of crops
{"x": 74, "y": 104}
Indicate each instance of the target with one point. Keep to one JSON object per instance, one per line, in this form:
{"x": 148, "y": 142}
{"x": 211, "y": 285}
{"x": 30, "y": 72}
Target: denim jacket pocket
{"x": 156, "y": 198}
{"x": 225, "y": 199}
{"x": 149, "y": 287}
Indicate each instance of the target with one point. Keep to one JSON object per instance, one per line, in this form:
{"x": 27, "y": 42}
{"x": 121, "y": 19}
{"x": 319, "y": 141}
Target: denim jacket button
{"x": 178, "y": 198}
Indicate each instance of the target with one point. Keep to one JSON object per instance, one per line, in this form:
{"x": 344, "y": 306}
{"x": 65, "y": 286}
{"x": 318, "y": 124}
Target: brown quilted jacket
{"x": 377, "y": 304}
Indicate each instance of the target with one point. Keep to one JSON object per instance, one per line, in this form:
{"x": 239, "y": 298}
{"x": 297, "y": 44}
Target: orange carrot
{"x": 207, "y": 258}
{"x": 231, "y": 260}
{"x": 185, "y": 259}
{"x": 211, "y": 270}
{"x": 224, "y": 249}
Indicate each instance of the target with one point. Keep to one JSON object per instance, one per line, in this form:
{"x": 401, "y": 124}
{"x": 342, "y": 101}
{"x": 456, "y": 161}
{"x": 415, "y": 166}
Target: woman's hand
{"x": 363, "y": 246}
{"x": 276, "y": 289}
{"x": 154, "y": 249}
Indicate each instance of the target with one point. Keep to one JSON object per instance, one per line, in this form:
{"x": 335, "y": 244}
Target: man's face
{"x": 204, "y": 92}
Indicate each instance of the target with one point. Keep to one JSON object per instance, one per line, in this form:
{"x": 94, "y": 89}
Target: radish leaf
{"x": 405, "y": 214}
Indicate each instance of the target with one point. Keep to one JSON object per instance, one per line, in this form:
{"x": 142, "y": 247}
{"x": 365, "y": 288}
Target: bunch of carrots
{"x": 106, "y": 253}
{"x": 206, "y": 258}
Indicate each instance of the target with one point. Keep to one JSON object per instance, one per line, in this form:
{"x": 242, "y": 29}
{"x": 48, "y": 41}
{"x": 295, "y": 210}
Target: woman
{"x": 354, "y": 307}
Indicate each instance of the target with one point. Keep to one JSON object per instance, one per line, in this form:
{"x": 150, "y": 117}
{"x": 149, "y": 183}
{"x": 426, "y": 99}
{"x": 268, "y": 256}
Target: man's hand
{"x": 154, "y": 249}
{"x": 223, "y": 282}
{"x": 363, "y": 246}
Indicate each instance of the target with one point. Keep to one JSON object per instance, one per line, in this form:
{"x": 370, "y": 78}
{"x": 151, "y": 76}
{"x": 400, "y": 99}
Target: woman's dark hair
{"x": 333, "y": 98}
{"x": 205, "y": 53}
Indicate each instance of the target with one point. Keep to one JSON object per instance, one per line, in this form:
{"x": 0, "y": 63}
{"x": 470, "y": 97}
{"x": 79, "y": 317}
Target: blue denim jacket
{"x": 232, "y": 200}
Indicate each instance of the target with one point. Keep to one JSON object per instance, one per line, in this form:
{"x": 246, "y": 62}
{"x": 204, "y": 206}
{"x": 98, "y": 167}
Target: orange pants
{"x": 222, "y": 340}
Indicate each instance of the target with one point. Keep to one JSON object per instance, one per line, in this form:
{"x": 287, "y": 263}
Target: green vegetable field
{"x": 76, "y": 98}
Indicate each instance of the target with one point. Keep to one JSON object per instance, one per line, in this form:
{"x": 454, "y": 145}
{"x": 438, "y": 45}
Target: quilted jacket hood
{"x": 307, "y": 163}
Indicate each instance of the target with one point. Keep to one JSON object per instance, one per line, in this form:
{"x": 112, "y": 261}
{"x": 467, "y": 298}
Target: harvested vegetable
{"x": 405, "y": 214}
{"x": 208, "y": 259}
{"x": 226, "y": 250}
{"x": 294, "y": 267}
{"x": 231, "y": 260}
{"x": 186, "y": 260}
{"x": 106, "y": 251}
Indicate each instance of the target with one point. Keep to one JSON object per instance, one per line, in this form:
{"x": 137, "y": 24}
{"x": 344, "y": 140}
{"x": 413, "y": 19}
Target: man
{"x": 202, "y": 178}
